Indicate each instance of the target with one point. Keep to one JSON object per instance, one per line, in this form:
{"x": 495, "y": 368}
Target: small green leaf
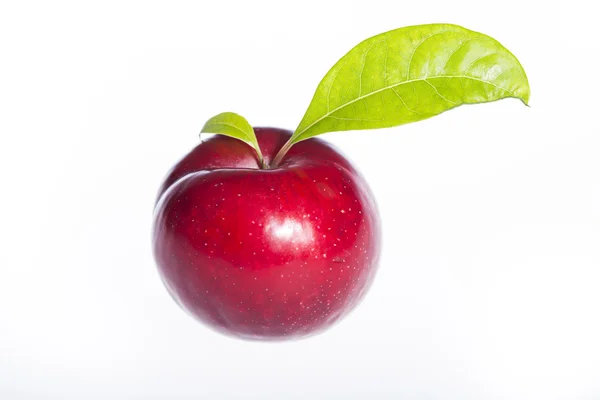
{"x": 235, "y": 126}
{"x": 410, "y": 74}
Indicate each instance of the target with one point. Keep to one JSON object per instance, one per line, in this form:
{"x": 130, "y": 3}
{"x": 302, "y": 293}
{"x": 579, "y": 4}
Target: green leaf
{"x": 235, "y": 126}
{"x": 410, "y": 74}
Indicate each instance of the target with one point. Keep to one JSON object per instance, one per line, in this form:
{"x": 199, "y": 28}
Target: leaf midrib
{"x": 329, "y": 113}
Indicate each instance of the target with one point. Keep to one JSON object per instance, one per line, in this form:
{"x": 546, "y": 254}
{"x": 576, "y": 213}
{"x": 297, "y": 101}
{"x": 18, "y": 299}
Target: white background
{"x": 489, "y": 285}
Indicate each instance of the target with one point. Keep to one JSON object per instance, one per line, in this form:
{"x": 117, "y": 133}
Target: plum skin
{"x": 266, "y": 254}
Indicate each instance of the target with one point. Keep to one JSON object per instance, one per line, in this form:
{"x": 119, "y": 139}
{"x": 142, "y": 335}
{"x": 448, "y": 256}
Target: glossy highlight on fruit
{"x": 266, "y": 253}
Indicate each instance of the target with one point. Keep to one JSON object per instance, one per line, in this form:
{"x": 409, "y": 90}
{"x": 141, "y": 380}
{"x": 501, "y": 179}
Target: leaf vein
{"x": 333, "y": 81}
{"x": 477, "y": 60}
{"x": 456, "y": 51}
{"x": 417, "y": 47}
{"x": 362, "y": 69}
{"x": 438, "y": 93}
{"x": 403, "y": 102}
{"x": 299, "y": 134}
{"x": 355, "y": 119}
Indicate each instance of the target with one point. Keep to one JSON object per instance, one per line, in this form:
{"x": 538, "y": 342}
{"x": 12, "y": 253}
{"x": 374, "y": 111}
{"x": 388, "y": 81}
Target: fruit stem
{"x": 282, "y": 152}
{"x": 263, "y": 164}
{"x": 261, "y": 159}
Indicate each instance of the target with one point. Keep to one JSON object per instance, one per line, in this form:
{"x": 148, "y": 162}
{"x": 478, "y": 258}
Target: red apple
{"x": 266, "y": 253}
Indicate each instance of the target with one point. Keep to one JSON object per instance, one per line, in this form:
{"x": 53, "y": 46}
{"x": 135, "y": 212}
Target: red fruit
{"x": 266, "y": 253}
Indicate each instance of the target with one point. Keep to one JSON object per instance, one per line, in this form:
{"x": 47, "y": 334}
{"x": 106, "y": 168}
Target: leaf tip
{"x": 525, "y": 97}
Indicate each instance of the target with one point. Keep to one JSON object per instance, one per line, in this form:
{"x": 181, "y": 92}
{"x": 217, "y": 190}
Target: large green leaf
{"x": 410, "y": 74}
{"x": 235, "y": 126}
